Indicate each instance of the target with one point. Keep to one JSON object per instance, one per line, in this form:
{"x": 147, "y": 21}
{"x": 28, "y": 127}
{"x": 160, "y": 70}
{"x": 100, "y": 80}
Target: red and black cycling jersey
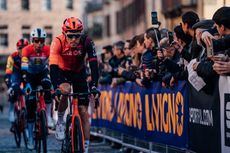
{"x": 71, "y": 59}
{"x": 65, "y": 58}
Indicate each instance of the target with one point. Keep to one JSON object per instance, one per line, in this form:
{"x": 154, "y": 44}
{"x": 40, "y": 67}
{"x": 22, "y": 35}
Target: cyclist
{"x": 68, "y": 65}
{"x": 13, "y": 75}
{"x": 35, "y": 72}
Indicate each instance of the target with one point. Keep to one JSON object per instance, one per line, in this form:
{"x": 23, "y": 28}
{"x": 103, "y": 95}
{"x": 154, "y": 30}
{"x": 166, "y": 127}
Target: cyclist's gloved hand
{"x": 57, "y": 92}
{"x": 94, "y": 90}
{"x": 10, "y": 91}
{"x": 24, "y": 76}
{"x": 28, "y": 88}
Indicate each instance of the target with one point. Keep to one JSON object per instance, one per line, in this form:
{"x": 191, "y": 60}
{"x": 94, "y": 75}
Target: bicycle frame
{"x": 41, "y": 129}
{"x": 73, "y": 123}
{"x": 41, "y": 105}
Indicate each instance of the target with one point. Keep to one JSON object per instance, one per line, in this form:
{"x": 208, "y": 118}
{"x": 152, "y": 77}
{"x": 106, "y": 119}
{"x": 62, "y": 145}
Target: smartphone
{"x": 154, "y": 18}
{"x": 170, "y": 36}
{"x": 210, "y": 50}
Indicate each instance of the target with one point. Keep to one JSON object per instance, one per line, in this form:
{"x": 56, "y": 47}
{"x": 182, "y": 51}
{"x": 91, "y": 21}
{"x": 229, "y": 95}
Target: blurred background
{"x": 106, "y": 21}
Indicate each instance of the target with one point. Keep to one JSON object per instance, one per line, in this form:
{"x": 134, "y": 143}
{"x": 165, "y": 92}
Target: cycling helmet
{"x": 72, "y": 24}
{"x": 38, "y": 33}
{"x": 22, "y": 43}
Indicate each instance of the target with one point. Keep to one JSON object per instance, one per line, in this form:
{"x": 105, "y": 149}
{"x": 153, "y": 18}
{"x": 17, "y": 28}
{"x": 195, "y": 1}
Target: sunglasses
{"x": 39, "y": 40}
{"x": 71, "y": 36}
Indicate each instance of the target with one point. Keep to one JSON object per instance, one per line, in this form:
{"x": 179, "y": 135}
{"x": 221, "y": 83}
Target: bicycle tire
{"x": 44, "y": 131}
{"x": 17, "y": 137}
{"x": 66, "y": 143}
{"x": 16, "y": 131}
{"x": 23, "y": 118}
{"x": 78, "y": 142}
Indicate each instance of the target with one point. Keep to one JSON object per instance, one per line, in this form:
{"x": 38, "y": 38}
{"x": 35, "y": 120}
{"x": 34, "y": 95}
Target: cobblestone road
{"x": 7, "y": 143}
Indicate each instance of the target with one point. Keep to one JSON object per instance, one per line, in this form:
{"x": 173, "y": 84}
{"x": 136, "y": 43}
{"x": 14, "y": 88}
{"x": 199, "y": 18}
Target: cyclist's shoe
{"x": 60, "y": 131}
{"x": 50, "y": 122}
{"x": 30, "y": 144}
{"x": 11, "y": 116}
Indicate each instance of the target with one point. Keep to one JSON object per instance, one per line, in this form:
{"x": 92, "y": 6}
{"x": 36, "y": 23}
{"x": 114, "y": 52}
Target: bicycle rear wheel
{"x": 77, "y": 139}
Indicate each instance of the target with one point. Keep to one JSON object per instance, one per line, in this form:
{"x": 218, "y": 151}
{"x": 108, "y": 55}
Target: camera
{"x": 170, "y": 36}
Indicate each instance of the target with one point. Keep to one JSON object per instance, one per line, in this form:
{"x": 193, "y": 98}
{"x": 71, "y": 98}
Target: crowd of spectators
{"x": 162, "y": 55}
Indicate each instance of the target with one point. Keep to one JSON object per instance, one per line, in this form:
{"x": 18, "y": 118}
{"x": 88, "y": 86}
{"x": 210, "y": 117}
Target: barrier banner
{"x": 224, "y": 89}
{"x": 204, "y": 120}
{"x": 154, "y": 114}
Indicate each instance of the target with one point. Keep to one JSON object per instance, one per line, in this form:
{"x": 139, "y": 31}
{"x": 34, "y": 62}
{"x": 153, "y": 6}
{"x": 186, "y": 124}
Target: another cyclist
{"x": 13, "y": 75}
{"x": 67, "y": 65}
{"x": 35, "y": 72}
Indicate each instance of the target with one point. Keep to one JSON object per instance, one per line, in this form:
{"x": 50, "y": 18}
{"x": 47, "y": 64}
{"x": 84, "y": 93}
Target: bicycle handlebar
{"x": 82, "y": 93}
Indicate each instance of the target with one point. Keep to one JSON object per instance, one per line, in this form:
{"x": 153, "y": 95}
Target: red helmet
{"x": 22, "y": 43}
{"x": 72, "y": 24}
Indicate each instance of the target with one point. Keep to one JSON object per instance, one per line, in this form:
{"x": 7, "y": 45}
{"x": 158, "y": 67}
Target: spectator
{"x": 222, "y": 22}
{"x": 119, "y": 59}
{"x": 104, "y": 66}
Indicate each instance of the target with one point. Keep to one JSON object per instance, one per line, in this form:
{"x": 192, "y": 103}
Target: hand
{"x": 139, "y": 82}
{"x": 10, "y": 91}
{"x": 198, "y": 36}
{"x": 147, "y": 73}
{"x": 207, "y": 38}
{"x": 114, "y": 82}
{"x": 24, "y": 77}
{"x": 164, "y": 85}
{"x": 220, "y": 57}
{"x": 194, "y": 66}
{"x": 57, "y": 95}
{"x": 178, "y": 46}
{"x": 221, "y": 67}
{"x": 160, "y": 55}
{"x": 120, "y": 70}
{"x": 28, "y": 89}
{"x": 65, "y": 88}
{"x": 173, "y": 81}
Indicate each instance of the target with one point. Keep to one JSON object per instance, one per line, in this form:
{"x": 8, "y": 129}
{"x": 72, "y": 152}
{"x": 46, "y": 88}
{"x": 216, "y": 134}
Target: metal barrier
{"x": 134, "y": 143}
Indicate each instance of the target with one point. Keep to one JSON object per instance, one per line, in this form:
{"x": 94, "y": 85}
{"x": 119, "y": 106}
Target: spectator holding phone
{"x": 222, "y": 22}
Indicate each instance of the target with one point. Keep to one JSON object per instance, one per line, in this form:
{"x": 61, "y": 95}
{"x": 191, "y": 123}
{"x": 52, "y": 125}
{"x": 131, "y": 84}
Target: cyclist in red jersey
{"x": 35, "y": 72}
{"x": 13, "y": 77}
{"x": 68, "y": 65}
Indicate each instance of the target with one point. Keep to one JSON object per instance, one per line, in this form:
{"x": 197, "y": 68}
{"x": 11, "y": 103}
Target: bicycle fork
{"x": 76, "y": 114}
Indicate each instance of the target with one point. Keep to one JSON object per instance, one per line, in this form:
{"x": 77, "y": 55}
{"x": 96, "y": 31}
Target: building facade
{"x": 122, "y": 19}
{"x": 19, "y": 17}
{"x": 118, "y": 19}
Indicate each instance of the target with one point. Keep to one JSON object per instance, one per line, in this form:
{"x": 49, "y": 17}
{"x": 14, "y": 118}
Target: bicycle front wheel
{"x": 42, "y": 139}
{"x": 77, "y": 137}
{"x": 23, "y": 125}
{"x": 16, "y": 131}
